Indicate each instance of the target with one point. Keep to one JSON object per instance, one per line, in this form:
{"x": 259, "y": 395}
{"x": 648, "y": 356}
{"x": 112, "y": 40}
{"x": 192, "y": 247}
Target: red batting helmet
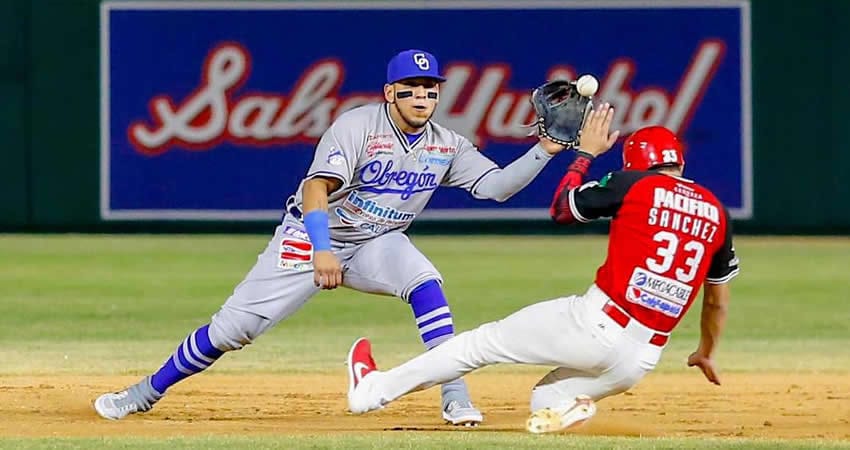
{"x": 651, "y": 147}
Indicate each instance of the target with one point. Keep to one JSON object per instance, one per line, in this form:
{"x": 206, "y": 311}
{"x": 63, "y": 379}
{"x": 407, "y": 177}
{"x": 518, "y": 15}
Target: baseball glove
{"x": 561, "y": 111}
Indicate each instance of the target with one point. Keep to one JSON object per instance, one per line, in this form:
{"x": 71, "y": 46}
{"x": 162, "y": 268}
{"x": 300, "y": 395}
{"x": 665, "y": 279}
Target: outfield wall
{"x": 51, "y": 126}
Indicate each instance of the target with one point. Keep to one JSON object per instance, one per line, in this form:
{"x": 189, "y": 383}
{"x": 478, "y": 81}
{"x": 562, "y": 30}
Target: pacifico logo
{"x": 475, "y": 101}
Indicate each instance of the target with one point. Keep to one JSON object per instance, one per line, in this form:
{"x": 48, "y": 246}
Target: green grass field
{"x": 117, "y": 305}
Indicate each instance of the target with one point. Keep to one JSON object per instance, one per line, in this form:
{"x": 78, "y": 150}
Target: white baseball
{"x": 587, "y": 85}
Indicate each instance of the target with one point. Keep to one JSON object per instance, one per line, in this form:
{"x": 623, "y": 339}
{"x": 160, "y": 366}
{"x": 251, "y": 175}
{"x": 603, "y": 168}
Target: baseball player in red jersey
{"x": 668, "y": 237}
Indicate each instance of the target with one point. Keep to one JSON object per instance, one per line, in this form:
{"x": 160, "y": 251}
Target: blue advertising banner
{"x": 210, "y": 110}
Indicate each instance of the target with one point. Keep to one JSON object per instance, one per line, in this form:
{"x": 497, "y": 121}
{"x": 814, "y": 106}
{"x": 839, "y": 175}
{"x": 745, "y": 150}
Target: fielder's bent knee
{"x": 231, "y": 329}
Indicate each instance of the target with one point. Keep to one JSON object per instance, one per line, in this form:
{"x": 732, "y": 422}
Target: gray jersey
{"x": 387, "y": 182}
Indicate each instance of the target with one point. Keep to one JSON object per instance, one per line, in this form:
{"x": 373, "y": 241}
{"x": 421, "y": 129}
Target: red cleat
{"x": 360, "y": 364}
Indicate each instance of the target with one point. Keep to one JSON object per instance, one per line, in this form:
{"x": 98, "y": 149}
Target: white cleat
{"x": 462, "y": 414}
{"x": 115, "y": 406}
{"x": 139, "y": 397}
{"x": 550, "y": 420}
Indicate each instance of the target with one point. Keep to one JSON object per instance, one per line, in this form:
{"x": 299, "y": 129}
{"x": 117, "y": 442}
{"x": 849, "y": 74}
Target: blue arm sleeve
{"x": 316, "y": 223}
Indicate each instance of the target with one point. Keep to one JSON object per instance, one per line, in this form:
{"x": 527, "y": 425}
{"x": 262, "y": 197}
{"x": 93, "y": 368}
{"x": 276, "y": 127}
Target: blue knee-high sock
{"x": 193, "y": 355}
{"x": 434, "y": 320}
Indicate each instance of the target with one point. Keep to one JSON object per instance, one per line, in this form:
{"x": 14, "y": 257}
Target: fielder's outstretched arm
{"x": 484, "y": 179}
{"x": 502, "y": 184}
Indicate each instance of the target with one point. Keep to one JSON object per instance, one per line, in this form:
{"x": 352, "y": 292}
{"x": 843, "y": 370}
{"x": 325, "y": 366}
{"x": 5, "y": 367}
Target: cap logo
{"x": 422, "y": 61}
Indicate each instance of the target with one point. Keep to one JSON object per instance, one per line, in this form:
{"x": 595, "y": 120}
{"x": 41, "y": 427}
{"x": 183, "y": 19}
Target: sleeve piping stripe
{"x": 478, "y": 181}
{"x": 338, "y": 176}
{"x": 574, "y": 210}
{"x": 723, "y": 279}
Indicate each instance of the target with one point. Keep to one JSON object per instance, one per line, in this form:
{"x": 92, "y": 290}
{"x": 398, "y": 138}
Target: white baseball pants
{"x": 594, "y": 355}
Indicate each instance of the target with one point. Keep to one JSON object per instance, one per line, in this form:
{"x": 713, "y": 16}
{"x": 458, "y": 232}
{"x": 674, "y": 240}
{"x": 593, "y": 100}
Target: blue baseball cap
{"x": 413, "y": 64}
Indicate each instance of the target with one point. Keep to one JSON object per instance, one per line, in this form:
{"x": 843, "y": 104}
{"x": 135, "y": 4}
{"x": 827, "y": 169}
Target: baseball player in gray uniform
{"x": 374, "y": 170}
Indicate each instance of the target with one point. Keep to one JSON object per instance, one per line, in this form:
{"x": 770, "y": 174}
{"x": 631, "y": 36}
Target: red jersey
{"x": 668, "y": 235}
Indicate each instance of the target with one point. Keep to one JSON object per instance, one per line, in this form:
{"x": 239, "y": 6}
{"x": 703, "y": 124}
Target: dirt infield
{"x": 748, "y": 405}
